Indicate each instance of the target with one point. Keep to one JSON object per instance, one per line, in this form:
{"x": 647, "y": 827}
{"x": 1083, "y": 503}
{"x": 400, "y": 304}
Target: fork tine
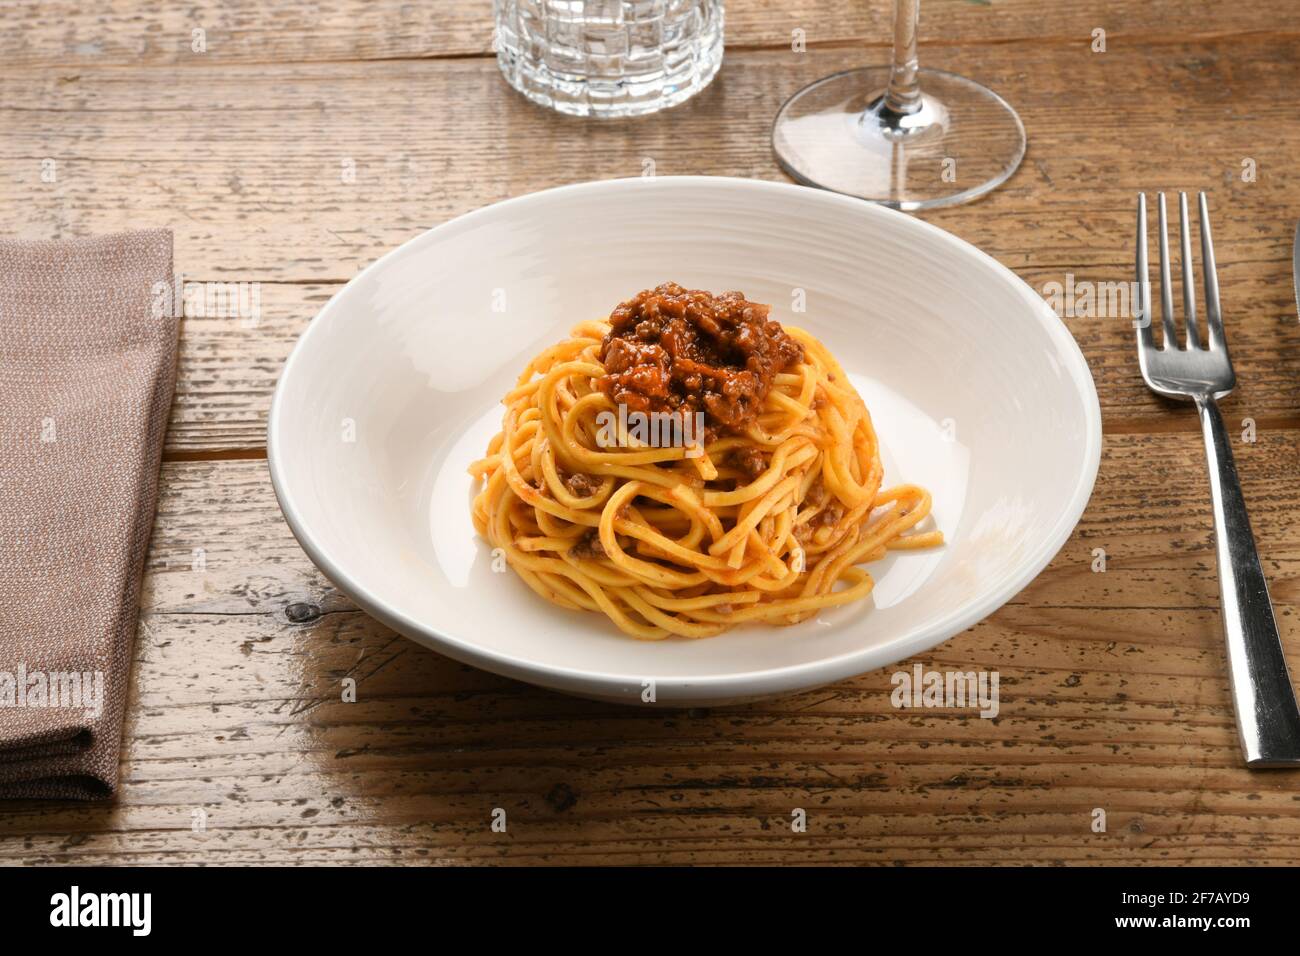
{"x": 1213, "y": 317}
{"x": 1189, "y": 284}
{"x": 1143, "y": 322}
{"x": 1166, "y": 283}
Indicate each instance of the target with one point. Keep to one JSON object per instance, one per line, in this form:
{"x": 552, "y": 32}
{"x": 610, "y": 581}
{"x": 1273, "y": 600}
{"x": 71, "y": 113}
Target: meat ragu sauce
{"x": 671, "y": 349}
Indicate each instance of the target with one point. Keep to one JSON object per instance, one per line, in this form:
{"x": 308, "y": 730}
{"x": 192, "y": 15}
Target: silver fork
{"x": 1267, "y": 717}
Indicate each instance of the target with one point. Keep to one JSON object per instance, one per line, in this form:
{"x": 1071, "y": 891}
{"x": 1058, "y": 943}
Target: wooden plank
{"x": 228, "y": 368}
{"x": 1113, "y": 696}
{"x": 63, "y": 34}
{"x": 255, "y": 194}
{"x": 1150, "y": 512}
{"x": 256, "y": 191}
{"x": 229, "y": 365}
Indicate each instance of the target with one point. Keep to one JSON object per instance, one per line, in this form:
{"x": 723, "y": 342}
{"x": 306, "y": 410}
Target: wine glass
{"x": 902, "y": 136}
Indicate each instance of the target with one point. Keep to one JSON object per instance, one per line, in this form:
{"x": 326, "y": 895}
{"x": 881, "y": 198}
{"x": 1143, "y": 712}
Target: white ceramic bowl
{"x": 977, "y": 391}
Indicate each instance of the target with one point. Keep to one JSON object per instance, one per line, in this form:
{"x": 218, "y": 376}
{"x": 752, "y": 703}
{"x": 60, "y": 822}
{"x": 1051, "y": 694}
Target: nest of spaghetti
{"x": 688, "y": 466}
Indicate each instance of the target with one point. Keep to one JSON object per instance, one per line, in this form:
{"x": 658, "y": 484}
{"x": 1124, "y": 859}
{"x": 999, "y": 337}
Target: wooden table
{"x": 1113, "y": 684}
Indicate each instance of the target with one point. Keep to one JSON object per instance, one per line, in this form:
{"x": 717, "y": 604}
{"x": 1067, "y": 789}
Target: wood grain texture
{"x": 255, "y": 193}
{"x": 60, "y": 33}
{"x": 1113, "y": 684}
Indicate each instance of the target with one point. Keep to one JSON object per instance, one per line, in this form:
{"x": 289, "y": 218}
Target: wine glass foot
{"x": 839, "y": 134}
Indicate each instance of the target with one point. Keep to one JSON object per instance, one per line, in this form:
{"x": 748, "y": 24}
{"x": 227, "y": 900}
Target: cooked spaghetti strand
{"x": 762, "y": 522}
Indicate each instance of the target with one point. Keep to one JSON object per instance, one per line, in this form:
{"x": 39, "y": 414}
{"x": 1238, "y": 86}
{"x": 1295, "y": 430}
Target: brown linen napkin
{"x": 87, "y": 367}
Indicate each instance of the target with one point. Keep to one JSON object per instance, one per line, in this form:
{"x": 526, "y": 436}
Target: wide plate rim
{"x": 706, "y": 686}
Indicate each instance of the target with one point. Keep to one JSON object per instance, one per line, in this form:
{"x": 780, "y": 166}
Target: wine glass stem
{"x": 903, "y": 96}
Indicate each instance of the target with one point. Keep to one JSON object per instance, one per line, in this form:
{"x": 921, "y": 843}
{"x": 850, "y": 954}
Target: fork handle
{"x": 1267, "y": 717}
